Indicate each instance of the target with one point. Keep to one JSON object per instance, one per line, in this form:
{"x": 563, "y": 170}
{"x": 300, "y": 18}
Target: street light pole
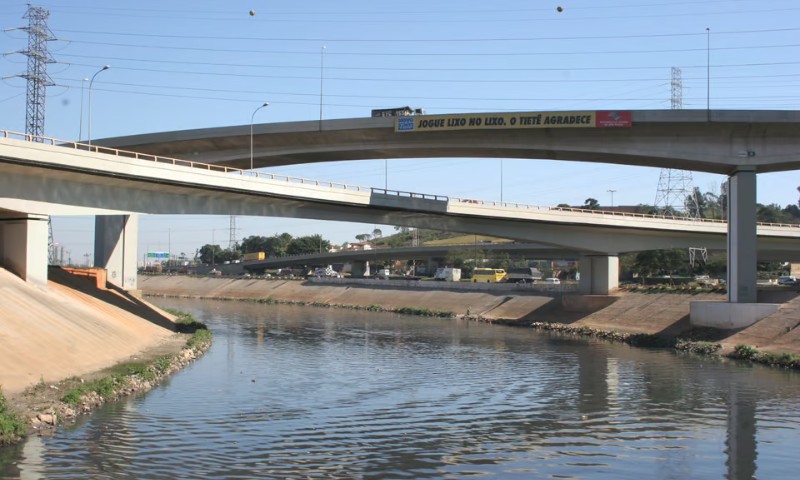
{"x": 321, "y": 76}
{"x": 612, "y": 197}
{"x": 501, "y": 180}
{"x": 253, "y": 116}
{"x": 105, "y": 67}
{"x": 80, "y": 127}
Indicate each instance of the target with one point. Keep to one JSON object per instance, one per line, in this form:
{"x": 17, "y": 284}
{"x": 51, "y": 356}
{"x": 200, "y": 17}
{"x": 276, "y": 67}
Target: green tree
{"x": 646, "y": 209}
{"x": 211, "y": 254}
{"x": 771, "y": 213}
{"x": 254, "y": 243}
{"x": 696, "y": 205}
{"x": 661, "y": 262}
{"x": 591, "y": 204}
{"x": 308, "y": 244}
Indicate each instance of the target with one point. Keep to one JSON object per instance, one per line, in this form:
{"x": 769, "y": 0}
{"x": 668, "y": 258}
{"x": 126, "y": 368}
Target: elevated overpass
{"x": 714, "y": 141}
{"x": 737, "y": 143}
{"x": 407, "y": 253}
{"x": 42, "y": 179}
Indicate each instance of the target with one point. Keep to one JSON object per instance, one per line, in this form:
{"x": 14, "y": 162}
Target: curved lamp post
{"x": 105, "y": 67}
{"x": 253, "y": 116}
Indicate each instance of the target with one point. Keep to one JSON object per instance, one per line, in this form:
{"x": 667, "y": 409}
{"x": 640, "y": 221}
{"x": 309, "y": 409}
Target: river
{"x": 303, "y": 392}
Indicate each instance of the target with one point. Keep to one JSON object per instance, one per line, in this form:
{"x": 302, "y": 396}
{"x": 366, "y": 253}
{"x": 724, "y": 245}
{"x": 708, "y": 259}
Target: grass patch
{"x": 425, "y": 312}
{"x": 703, "y": 348}
{"x": 106, "y": 387}
{"x": 744, "y": 352}
{"x": 186, "y": 321}
{"x": 162, "y": 364}
{"x": 774, "y": 359}
{"x": 11, "y": 426}
{"x": 201, "y": 338}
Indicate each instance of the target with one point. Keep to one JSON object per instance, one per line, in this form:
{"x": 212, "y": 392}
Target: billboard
{"x": 484, "y": 121}
{"x": 157, "y": 256}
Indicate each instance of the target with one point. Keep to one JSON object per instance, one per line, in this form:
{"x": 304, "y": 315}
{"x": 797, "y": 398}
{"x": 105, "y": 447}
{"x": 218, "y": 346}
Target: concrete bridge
{"x": 740, "y": 144}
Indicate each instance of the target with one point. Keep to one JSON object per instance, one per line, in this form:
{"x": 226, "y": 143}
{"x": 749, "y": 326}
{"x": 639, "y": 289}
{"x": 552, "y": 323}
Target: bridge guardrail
{"x": 8, "y": 134}
{"x": 400, "y": 193}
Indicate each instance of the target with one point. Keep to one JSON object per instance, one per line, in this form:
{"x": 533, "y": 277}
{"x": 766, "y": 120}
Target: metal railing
{"x": 7, "y": 134}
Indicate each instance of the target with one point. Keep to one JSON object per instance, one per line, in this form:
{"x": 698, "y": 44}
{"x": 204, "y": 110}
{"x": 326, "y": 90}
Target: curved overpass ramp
{"x": 716, "y": 141}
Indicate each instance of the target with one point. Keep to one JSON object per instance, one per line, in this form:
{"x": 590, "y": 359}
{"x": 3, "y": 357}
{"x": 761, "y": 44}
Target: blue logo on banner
{"x": 405, "y": 124}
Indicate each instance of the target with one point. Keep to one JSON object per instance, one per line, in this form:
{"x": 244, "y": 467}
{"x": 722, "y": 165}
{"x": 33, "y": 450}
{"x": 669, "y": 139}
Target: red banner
{"x": 613, "y": 118}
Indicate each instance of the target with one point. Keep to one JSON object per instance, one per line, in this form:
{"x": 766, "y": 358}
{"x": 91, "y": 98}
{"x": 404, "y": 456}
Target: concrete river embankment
{"x": 665, "y": 313}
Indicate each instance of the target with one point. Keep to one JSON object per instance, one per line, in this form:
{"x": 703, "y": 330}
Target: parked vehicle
{"x": 490, "y": 275}
{"x": 289, "y": 273}
{"x": 325, "y": 272}
{"x": 383, "y": 273}
{"x": 552, "y": 281}
{"x": 787, "y": 280}
{"x": 448, "y": 274}
{"x": 523, "y": 275}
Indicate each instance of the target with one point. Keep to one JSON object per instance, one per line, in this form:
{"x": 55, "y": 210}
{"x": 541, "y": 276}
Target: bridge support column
{"x": 742, "y": 241}
{"x": 23, "y": 246}
{"x": 115, "y": 239}
{"x": 741, "y": 309}
{"x": 599, "y": 274}
{"x": 359, "y": 269}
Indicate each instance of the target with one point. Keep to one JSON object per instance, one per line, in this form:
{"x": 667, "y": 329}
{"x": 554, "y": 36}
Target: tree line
{"x": 274, "y": 246}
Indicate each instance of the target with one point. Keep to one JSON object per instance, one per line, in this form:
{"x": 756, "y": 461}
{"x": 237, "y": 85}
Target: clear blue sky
{"x": 198, "y": 63}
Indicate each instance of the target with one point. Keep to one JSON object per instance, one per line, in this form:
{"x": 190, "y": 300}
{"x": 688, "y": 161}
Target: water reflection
{"x": 297, "y": 393}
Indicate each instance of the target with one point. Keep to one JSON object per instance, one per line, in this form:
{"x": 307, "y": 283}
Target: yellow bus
{"x": 488, "y": 275}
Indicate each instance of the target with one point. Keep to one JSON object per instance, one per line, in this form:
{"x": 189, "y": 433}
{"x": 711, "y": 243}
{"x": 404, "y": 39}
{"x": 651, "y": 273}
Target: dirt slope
{"x": 69, "y": 329}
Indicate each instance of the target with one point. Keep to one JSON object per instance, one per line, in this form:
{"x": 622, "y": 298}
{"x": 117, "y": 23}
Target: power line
{"x": 453, "y": 80}
{"x": 610, "y": 52}
{"x": 407, "y": 40}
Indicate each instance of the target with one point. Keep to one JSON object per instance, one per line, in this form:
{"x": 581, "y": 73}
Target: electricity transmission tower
{"x": 38, "y": 58}
{"x": 37, "y": 82}
{"x": 232, "y": 237}
{"x": 675, "y": 192}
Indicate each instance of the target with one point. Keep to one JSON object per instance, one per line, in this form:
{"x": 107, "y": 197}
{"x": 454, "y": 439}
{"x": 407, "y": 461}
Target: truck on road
{"x": 448, "y": 274}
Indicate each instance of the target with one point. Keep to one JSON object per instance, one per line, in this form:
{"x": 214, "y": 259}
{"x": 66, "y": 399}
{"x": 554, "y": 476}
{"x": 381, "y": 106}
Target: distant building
{"x": 358, "y": 246}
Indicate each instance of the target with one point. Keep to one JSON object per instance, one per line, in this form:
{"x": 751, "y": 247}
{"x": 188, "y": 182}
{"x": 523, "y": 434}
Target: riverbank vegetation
{"x": 44, "y": 406}
{"x": 693, "y": 342}
{"x": 127, "y": 378}
{"x": 419, "y": 311}
{"x": 12, "y": 426}
{"x": 776, "y": 359}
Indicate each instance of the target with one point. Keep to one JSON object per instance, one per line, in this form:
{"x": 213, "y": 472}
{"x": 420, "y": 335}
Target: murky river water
{"x": 290, "y": 392}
